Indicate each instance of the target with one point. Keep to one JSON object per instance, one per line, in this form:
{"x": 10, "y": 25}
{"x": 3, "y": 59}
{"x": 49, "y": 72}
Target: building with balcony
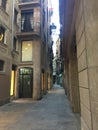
{"x": 24, "y": 49}
{"x": 32, "y": 39}
{"x": 29, "y": 38}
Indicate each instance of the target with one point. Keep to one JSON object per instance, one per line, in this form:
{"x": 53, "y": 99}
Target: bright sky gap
{"x": 55, "y": 19}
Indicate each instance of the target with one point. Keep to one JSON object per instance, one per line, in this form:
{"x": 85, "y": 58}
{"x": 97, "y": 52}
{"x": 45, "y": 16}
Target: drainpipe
{"x": 13, "y": 2}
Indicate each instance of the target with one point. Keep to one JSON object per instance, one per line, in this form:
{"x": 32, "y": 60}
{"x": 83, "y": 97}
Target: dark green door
{"x": 26, "y": 83}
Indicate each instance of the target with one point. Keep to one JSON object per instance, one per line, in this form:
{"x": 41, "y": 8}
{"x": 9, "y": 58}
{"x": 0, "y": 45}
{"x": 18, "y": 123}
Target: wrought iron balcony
{"x": 28, "y": 1}
{"x": 34, "y": 26}
{"x": 28, "y": 29}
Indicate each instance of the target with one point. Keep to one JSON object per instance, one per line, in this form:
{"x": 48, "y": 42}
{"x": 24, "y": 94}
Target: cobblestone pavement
{"x": 50, "y": 113}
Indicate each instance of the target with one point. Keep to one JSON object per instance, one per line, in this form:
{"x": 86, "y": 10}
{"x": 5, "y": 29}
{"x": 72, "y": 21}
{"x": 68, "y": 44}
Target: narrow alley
{"x": 51, "y": 113}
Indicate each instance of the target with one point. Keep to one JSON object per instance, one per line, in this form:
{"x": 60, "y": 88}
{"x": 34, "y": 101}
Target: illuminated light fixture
{"x": 1, "y": 37}
{"x": 29, "y": 44}
{"x": 26, "y": 48}
{"x": 52, "y": 27}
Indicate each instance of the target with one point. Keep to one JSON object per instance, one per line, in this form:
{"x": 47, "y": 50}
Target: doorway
{"x": 25, "y": 82}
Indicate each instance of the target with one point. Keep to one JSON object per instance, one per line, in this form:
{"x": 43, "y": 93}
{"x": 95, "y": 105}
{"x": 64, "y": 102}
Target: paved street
{"x": 50, "y": 113}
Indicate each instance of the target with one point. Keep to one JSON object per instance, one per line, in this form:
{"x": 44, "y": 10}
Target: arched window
{"x": 1, "y": 65}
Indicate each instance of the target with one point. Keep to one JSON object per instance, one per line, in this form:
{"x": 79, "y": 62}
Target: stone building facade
{"x": 23, "y": 49}
{"x": 80, "y": 52}
{"x": 29, "y": 68}
{"x": 33, "y": 49}
{"x": 8, "y": 53}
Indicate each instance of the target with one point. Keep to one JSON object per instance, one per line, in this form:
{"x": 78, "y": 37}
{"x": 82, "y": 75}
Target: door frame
{"x": 21, "y": 82}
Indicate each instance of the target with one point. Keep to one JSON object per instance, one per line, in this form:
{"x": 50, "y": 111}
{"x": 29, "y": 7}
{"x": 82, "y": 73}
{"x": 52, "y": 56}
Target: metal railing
{"x": 34, "y": 27}
{"x": 23, "y": 1}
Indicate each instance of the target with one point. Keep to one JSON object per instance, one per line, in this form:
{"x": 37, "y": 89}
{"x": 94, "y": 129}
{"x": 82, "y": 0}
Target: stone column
{"x": 37, "y": 69}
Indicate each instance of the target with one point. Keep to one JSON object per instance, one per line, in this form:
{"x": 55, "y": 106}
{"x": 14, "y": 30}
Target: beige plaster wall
{"x": 87, "y": 54}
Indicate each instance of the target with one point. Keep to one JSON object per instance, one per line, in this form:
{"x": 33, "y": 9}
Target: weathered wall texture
{"x": 4, "y": 55}
{"x": 6, "y": 52}
{"x": 37, "y": 70}
{"x": 87, "y": 54}
{"x": 82, "y": 21}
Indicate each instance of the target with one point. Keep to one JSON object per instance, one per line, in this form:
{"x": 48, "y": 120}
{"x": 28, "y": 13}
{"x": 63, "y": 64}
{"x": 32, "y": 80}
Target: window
{"x": 2, "y": 34}
{"x": 27, "y": 21}
{"x": 1, "y": 65}
{"x": 15, "y": 16}
{"x": 27, "y": 51}
{"x": 14, "y": 43}
{"x": 4, "y": 3}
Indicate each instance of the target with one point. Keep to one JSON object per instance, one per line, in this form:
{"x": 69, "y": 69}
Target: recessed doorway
{"x": 25, "y": 82}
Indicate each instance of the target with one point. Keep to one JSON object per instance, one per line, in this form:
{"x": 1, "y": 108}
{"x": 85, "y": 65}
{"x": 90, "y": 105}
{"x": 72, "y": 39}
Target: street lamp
{"x": 52, "y": 27}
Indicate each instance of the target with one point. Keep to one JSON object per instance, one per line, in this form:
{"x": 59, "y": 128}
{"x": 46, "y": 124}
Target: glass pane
{"x": 25, "y": 71}
{"x": 27, "y": 21}
{"x": 27, "y": 51}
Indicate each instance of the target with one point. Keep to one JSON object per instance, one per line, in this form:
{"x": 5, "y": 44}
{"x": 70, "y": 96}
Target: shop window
{"x": 26, "y": 51}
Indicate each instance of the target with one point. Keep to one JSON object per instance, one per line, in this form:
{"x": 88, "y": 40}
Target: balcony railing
{"x": 34, "y": 27}
{"x": 26, "y": 1}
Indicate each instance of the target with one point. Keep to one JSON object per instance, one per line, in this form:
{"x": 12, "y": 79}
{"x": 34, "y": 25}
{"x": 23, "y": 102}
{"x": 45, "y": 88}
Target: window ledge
{"x": 27, "y": 63}
{"x": 14, "y": 52}
{"x": 3, "y": 45}
{"x": 2, "y": 72}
